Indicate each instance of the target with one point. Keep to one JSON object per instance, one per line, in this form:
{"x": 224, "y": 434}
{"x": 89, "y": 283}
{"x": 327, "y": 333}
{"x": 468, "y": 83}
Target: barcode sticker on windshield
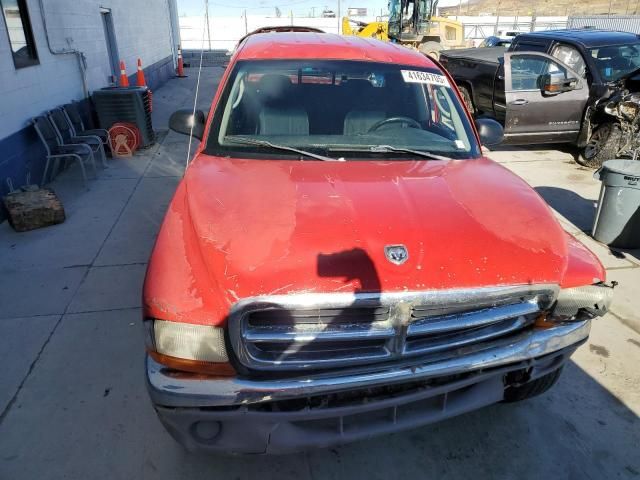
{"x": 414, "y": 76}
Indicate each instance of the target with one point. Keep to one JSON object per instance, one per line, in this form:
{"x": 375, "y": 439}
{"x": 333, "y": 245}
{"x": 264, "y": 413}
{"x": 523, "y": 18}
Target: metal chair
{"x": 57, "y": 151}
{"x": 75, "y": 119}
{"x": 65, "y": 131}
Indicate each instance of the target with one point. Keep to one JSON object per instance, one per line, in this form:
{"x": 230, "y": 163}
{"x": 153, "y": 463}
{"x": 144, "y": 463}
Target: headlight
{"x": 611, "y": 108}
{"x": 184, "y": 346}
{"x": 591, "y": 299}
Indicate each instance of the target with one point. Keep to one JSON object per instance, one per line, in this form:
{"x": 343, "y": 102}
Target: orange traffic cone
{"x": 140, "y": 81}
{"x": 124, "y": 81}
{"x": 180, "y": 69}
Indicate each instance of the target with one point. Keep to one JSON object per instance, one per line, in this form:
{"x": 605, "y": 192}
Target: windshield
{"x": 339, "y": 109}
{"x": 617, "y": 61}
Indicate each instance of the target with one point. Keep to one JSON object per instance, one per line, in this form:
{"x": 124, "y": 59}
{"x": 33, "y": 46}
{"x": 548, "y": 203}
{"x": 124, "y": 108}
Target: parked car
{"x": 323, "y": 275}
{"x": 562, "y": 86}
{"x": 504, "y": 42}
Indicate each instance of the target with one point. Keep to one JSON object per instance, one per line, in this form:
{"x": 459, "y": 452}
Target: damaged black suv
{"x": 559, "y": 86}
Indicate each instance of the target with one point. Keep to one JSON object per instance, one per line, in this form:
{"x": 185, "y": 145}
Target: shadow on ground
{"x": 580, "y": 211}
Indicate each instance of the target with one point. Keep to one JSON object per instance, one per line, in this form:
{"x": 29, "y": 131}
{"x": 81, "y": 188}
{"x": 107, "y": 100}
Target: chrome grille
{"x": 319, "y": 331}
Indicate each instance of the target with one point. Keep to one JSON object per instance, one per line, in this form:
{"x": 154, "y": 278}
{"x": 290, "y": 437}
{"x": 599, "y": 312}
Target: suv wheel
{"x": 468, "y": 101}
{"x": 431, "y": 49}
{"x": 532, "y": 388}
{"x": 603, "y": 145}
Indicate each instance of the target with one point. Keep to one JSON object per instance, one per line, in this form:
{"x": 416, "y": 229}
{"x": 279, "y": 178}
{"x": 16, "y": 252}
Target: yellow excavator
{"x": 411, "y": 23}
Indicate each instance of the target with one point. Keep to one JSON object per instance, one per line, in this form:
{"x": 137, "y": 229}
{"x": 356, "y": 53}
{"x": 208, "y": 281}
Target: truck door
{"x": 545, "y": 99}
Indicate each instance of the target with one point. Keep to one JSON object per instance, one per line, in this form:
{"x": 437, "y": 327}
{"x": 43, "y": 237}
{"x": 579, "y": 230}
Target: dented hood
{"x": 274, "y": 227}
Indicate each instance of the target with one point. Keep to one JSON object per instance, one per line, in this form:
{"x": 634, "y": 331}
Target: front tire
{"x": 602, "y": 146}
{"x": 431, "y": 49}
{"x": 533, "y": 388}
{"x": 468, "y": 101}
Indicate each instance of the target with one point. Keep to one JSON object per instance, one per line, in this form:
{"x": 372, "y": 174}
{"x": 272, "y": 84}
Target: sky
{"x": 298, "y": 7}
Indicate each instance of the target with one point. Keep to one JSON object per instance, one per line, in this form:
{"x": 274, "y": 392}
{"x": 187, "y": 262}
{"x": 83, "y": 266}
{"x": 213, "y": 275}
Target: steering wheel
{"x": 409, "y": 121}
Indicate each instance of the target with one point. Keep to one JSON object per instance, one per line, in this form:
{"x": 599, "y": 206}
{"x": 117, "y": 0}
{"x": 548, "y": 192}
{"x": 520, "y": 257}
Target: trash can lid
{"x": 624, "y": 167}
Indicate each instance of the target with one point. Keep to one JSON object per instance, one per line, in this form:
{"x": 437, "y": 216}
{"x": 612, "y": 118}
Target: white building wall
{"x": 142, "y": 27}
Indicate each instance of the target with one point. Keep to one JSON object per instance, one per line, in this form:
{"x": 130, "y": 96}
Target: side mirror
{"x": 182, "y": 121}
{"x": 553, "y": 84}
{"x": 491, "y": 132}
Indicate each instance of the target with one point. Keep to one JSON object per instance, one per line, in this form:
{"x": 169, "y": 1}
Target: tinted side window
{"x": 571, "y": 58}
{"x": 526, "y": 46}
{"x": 527, "y": 70}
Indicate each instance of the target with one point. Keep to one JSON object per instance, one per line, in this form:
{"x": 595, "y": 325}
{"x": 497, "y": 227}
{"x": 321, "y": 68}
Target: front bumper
{"x": 235, "y": 414}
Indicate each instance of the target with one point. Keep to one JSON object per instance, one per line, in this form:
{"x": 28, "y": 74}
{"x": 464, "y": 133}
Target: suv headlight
{"x": 188, "y": 347}
{"x": 593, "y": 300}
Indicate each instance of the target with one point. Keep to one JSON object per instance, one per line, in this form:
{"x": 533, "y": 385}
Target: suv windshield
{"x": 339, "y": 109}
{"x": 616, "y": 61}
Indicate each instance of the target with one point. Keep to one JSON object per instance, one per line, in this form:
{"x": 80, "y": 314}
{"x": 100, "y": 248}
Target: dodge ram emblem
{"x": 396, "y": 254}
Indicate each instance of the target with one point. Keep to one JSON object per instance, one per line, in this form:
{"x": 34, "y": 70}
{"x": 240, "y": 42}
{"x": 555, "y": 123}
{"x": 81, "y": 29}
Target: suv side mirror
{"x": 491, "y": 132}
{"x": 182, "y": 121}
{"x": 553, "y": 84}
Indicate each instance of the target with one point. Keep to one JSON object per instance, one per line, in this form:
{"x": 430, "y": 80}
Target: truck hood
{"x": 274, "y": 227}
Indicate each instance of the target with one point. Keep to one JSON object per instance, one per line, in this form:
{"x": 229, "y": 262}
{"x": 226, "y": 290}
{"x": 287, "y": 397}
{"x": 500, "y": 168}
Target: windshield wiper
{"x": 265, "y": 143}
{"x": 389, "y": 148}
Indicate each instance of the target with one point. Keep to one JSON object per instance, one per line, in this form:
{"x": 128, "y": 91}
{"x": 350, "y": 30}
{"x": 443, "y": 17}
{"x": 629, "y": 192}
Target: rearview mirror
{"x": 182, "y": 121}
{"x": 491, "y": 132}
{"x": 553, "y": 84}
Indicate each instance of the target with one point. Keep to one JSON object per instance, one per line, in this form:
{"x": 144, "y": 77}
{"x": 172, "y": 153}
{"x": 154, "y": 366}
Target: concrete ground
{"x": 72, "y": 396}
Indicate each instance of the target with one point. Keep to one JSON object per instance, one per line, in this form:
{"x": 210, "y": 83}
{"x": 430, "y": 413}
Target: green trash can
{"x": 617, "y": 221}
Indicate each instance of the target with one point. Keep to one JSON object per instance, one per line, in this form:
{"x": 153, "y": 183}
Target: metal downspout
{"x": 82, "y": 60}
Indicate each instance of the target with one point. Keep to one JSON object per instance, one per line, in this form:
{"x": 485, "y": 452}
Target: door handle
{"x": 520, "y": 101}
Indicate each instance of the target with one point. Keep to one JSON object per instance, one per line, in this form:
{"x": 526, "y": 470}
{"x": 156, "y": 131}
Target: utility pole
{"x": 534, "y": 18}
{"x": 246, "y": 27}
{"x": 313, "y": 12}
{"x": 339, "y": 17}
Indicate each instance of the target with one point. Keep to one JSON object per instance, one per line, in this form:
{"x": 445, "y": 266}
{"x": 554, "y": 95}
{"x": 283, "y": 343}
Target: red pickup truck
{"x": 341, "y": 261}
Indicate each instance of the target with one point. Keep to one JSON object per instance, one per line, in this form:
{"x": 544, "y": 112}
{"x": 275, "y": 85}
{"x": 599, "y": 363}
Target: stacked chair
{"x": 79, "y": 130}
{"x": 67, "y": 134}
{"x": 57, "y": 150}
{"x": 65, "y": 139}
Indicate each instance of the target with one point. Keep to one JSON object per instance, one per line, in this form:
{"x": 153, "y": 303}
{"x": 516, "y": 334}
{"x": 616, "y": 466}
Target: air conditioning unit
{"x": 125, "y": 104}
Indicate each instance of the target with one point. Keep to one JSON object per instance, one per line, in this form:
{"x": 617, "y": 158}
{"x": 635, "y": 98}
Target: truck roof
{"x": 587, "y": 37}
{"x": 326, "y": 46}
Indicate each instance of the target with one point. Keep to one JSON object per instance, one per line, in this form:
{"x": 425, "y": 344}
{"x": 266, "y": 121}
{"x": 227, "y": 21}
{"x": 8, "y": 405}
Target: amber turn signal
{"x": 194, "y": 366}
{"x": 543, "y": 321}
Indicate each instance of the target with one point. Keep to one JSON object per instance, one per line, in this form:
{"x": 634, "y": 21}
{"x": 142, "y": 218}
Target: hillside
{"x": 544, "y": 7}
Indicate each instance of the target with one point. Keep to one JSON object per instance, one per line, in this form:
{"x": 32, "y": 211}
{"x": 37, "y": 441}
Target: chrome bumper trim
{"x": 184, "y": 390}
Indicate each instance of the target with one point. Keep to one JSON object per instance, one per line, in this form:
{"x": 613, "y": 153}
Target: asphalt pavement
{"x": 73, "y": 402}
